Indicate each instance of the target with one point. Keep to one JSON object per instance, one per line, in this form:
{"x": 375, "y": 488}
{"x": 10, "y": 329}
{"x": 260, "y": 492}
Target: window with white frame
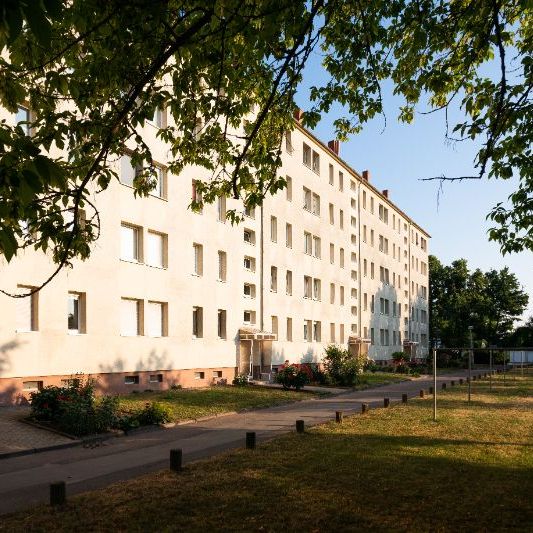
{"x": 274, "y": 324}
{"x": 288, "y": 189}
{"x": 308, "y": 243}
{"x": 341, "y": 333}
{"x": 308, "y": 287}
{"x": 197, "y": 197}
{"x": 317, "y": 289}
{"x": 308, "y": 330}
{"x": 288, "y": 283}
{"x": 341, "y": 257}
{"x": 308, "y": 202}
{"x": 316, "y": 204}
{"x": 127, "y": 170}
{"x": 341, "y": 181}
{"x": 341, "y": 218}
{"x": 249, "y": 263}
{"x": 249, "y": 211}
{"x": 222, "y": 265}
{"x": 331, "y": 174}
{"x": 221, "y": 324}
{"x": 274, "y": 279}
{"x": 332, "y": 332}
{"x": 331, "y": 253}
{"x": 316, "y": 247}
{"x": 316, "y": 162}
{"x": 160, "y": 182}
{"x": 288, "y": 235}
{"x": 156, "y": 249}
{"x": 371, "y": 270}
{"x": 76, "y": 312}
{"x": 130, "y": 243}
{"x": 197, "y": 322}
{"x": 23, "y": 119}
{"x": 249, "y": 236}
{"x": 249, "y": 290}
{"x": 289, "y": 329}
{"x": 273, "y": 229}
{"x": 332, "y": 293}
{"x": 198, "y": 252}
{"x": 27, "y": 310}
{"x": 156, "y": 319}
{"x": 249, "y": 317}
{"x": 341, "y": 294}
{"x": 306, "y": 155}
{"x": 288, "y": 142}
{"x": 221, "y": 208}
{"x": 130, "y": 317}
{"x": 331, "y": 214}
{"x": 317, "y": 331}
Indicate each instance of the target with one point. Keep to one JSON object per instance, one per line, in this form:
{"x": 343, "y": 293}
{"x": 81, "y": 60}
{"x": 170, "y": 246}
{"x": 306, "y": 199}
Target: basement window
{"x": 199, "y": 375}
{"x": 131, "y": 380}
{"x": 156, "y": 378}
{"x": 32, "y": 385}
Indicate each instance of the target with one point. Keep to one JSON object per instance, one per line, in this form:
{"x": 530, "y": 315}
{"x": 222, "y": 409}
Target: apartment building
{"x": 169, "y": 296}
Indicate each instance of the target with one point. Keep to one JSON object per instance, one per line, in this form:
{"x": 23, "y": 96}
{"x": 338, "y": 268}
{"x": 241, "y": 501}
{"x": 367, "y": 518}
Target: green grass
{"x": 186, "y": 404}
{"x": 390, "y": 470}
{"x": 376, "y": 379}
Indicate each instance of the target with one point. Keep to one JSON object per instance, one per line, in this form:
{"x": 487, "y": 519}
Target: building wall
{"x": 51, "y": 353}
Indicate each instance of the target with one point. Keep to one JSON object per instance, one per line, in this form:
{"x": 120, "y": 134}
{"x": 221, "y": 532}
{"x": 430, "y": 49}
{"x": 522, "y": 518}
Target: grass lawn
{"x": 389, "y": 470}
{"x": 195, "y": 403}
{"x": 375, "y": 379}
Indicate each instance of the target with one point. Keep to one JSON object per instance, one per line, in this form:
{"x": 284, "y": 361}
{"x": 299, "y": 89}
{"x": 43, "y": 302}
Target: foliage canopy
{"x": 94, "y": 72}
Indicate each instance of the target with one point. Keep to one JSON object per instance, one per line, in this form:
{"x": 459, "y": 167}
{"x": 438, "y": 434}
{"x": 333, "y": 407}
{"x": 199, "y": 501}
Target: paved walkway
{"x": 16, "y": 436}
{"x": 24, "y": 481}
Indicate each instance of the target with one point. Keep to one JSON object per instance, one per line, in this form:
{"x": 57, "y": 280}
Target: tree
{"x": 522, "y": 336}
{"x": 490, "y": 301}
{"x": 226, "y": 71}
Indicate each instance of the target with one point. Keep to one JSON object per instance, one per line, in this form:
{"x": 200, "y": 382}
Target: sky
{"x": 400, "y": 155}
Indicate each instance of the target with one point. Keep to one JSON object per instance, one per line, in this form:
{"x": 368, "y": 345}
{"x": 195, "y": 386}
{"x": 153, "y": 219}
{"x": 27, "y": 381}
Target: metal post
{"x": 434, "y": 383}
{"x": 176, "y": 459}
{"x": 490, "y": 370}
{"x": 470, "y": 328}
{"x": 504, "y": 367}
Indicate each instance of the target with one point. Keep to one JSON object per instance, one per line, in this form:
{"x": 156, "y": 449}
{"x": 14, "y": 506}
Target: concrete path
{"x": 16, "y": 436}
{"x": 24, "y": 481}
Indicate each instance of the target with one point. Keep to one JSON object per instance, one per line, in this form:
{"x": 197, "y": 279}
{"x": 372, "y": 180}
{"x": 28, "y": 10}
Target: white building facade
{"x": 173, "y": 297}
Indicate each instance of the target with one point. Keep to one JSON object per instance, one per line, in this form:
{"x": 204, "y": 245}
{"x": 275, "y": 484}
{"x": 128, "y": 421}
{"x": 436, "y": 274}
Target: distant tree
{"x": 490, "y": 301}
{"x": 522, "y": 336}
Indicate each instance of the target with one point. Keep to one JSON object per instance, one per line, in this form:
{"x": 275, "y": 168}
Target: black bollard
{"x": 58, "y": 493}
{"x": 176, "y": 459}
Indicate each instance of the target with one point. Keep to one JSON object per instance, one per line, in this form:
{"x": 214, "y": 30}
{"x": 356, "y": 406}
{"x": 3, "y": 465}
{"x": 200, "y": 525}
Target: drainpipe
{"x": 409, "y": 308}
{"x": 261, "y": 287}
{"x": 359, "y": 322}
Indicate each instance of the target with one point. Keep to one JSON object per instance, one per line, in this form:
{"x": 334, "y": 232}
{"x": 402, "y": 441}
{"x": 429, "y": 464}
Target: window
{"x": 353, "y": 222}
{"x": 353, "y": 257}
{"x": 159, "y": 189}
{"x": 249, "y": 290}
{"x": 316, "y": 247}
{"x": 288, "y": 142}
{"x": 341, "y": 294}
{"x": 23, "y": 119}
{"x": 331, "y": 253}
{"x": 127, "y": 170}
{"x": 332, "y": 332}
{"x": 307, "y": 286}
{"x": 371, "y": 270}
{"x": 331, "y": 177}
{"x": 316, "y": 162}
{"x": 316, "y": 204}
{"x": 130, "y": 243}
{"x": 158, "y": 118}
{"x": 197, "y": 322}
{"x": 249, "y": 211}
{"x": 131, "y": 380}
{"x": 364, "y": 199}
{"x": 341, "y": 333}
{"x": 371, "y": 237}
{"x": 222, "y": 265}
{"x": 372, "y": 337}
{"x": 316, "y": 289}
{"x": 274, "y": 279}
{"x": 198, "y": 250}
{"x": 307, "y": 199}
{"x": 317, "y": 333}
{"x": 274, "y": 325}
{"x": 249, "y": 236}
{"x": 365, "y": 264}
{"x": 331, "y": 214}
{"x": 423, "y": 244}
{"x": 199, "y": 375}
{"x": 221, "y": 208}
{"x": 288, "y": 283}
{"x": 249, "y": 263}
{"x": 306, "y": 155}
{"x": 289, "y": 329}
{"x": 353, "y": 275}
{"x": 365, "y": 301}
{"x": 332, "y": 293}
{"x": 341, "y": 257}
{"x": 197, "y": 198}
{"x": 156, "y": 378}
{"x": 130, "y": 317}
{"x": 27, "y": 308}
{"x": 288, "y": 189}
{"x": 221, "y": 324}
{"x": 353, "y": 239}
{"x": 249, "y": 317}
{"x": 353, "y": 203}
{"x": 353, "y": 293}
{"x": 308, "y": 326}
{"x": 273, "y": 229}
{"x": 341, "y": 219}
{"x": 354, "y": 328}
{"x": 341, "y": 181}
{"x": 156, "y": 319}
{"x": 372, "y": 205}
{"x": 76, "y": 312}
{"x": 288, "y": 235}
{"x": 372, "y": 304}
{"x": 156, "y": 249}
{"x": 308, "y": 243}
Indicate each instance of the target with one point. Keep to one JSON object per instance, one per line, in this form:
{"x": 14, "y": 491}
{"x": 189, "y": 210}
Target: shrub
{"x": 343, "y": 368}
{"x": 154, "y": 413}
{"x": 400, "y": 358}
{"x": 292, "y": 376}
{"x": 240, "y": 380}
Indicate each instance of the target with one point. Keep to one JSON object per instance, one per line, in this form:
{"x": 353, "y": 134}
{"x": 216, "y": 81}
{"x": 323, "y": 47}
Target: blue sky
{"x": 402, "y": 154}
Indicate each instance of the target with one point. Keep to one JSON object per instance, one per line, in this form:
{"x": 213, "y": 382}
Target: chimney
{"x": 366, "y": 175}
{"x": 386, "y": 193}
{"x": 334, "y": 146}
{"x": 298, "y": 114}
